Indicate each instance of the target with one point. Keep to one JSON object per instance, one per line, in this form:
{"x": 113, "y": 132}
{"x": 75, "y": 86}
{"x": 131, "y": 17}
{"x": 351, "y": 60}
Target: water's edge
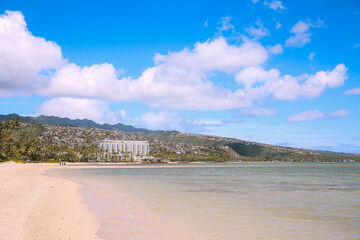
{"x": 246, "y": 201}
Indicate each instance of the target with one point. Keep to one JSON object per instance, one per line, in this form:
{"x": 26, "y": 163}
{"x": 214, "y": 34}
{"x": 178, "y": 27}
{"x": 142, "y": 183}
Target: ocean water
{"x": 224, "y": 201}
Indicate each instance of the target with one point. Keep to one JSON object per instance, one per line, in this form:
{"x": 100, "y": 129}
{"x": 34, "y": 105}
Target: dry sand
{"x": 34, "y": 206}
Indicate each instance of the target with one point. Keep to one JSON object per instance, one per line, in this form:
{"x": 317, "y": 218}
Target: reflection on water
{"x": 228, "y": 201}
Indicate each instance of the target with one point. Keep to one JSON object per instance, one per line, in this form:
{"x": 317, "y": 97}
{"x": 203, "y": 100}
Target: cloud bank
{"x": 180, "y": 80}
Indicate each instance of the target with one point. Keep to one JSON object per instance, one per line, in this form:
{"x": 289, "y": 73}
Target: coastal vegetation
{"x": 29, "y": 142}
{"x": 7, "y": 144}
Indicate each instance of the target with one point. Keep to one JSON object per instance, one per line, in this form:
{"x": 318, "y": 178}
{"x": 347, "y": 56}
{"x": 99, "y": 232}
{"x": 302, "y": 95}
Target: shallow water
{"x": 225, "y": 201}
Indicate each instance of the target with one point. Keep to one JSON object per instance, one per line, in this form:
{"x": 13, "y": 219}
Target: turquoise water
{"x": 225, "y": 201}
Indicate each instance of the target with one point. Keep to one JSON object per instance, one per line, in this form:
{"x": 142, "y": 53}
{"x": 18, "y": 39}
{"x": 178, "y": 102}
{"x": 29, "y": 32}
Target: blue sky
{"x": 277, "y": 72}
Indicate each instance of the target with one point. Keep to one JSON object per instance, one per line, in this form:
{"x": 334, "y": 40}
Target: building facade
{"x": 136, "y": 148}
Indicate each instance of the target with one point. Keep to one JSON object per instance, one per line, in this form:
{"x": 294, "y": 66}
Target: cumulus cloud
{"x": 314, "y": 85}
{"x": 75, "y": 108}
{"x": 300, "y": 34}
{"x": 164, "y": 120}
{"x": 121, "y": 114}
{"x": 216, "y": 54}
{"x": 275, "y": 5}
{"x": 316, "y": 114}
{"x": 276, "y": 49}
{"x": 354, "y": 91}
{"x": 258, "y": 111}
{"x": 179, "y": 80}
{"x": 25, "y": 60}
{"x": 96, "y": 81}
{"x": 259, "y": 83}
{"x": 257, "y": 31}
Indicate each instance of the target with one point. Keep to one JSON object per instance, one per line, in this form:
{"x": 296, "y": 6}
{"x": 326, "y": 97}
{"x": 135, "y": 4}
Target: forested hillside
{"x": 48, "y": 142}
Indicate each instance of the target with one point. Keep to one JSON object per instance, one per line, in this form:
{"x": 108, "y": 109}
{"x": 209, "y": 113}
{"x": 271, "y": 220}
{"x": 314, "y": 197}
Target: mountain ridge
{"x": 42, "y": 119}
{"x": 241, "y": 147}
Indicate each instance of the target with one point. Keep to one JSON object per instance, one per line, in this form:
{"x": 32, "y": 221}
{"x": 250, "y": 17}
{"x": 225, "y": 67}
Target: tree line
{"x": 32, "y": 149}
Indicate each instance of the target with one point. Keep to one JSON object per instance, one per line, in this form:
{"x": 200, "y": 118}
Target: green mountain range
{"x": 177, "y": 146}
{"x": 76, "y": 123}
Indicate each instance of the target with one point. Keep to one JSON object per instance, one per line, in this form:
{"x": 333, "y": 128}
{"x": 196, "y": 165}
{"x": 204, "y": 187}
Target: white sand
{"x": 34, "y": 206}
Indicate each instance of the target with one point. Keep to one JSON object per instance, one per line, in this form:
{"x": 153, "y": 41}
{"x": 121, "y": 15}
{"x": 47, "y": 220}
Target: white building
{"x": 136, "y": 148}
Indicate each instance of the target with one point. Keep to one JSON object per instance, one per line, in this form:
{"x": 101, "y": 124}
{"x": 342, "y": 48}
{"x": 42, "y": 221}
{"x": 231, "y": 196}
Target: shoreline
{"x": 38, "y": 202}
{"x": 83, "y": 165}
{"x": 128, "y": 214}
{"x": 122, "y": 215}
{"x": 36, "y": 206}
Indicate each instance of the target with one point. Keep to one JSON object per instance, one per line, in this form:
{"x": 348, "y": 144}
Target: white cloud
{"x": 178, "y": 80}
{"x": 258, "y": 111}
{"x": 24, "y": 59}
{"x": 206, "y": 23}
{"x": 357, "y": 45}
{"x": 300, "y": 27}
{"x": 298, "y": 40}
{"x": 316, "y": 114}
{"x": 170, "y": 120}
{"x": 207, "y": 122}
{"x": 276, "y": 49}
{"x": 259, "y": 31}
{"x": 278, "y": 25}
{"x": 164, "y": 120}
{"x": 96, "y": 81}
{"x": 338, "y": 113}
{"x": 217, "y": 55}
{"x": 259, "y": 83}
{"x": 275, "y": 5}
{"x": 121, "y": 114}
{"x": 75, "y": 108}
{"x": 300, "y": 33}
{"x": 255, "y": 1}
{"x": 300, "y": 36}
{"x": 311, "y": 56}
{"x": 316, "y": 84}
{"x": 225, "y": 25}
{"x": 306, "y": 116}
{"x": 354, "y": 91}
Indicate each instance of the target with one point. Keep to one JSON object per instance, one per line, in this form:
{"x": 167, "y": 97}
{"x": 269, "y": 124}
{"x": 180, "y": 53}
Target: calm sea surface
{"x": 224, "y": 201}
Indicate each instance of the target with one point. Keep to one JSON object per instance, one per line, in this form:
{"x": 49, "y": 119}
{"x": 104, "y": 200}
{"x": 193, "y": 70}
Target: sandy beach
{"x": 34, "y": 206}
{"x": 107, "y": 201}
